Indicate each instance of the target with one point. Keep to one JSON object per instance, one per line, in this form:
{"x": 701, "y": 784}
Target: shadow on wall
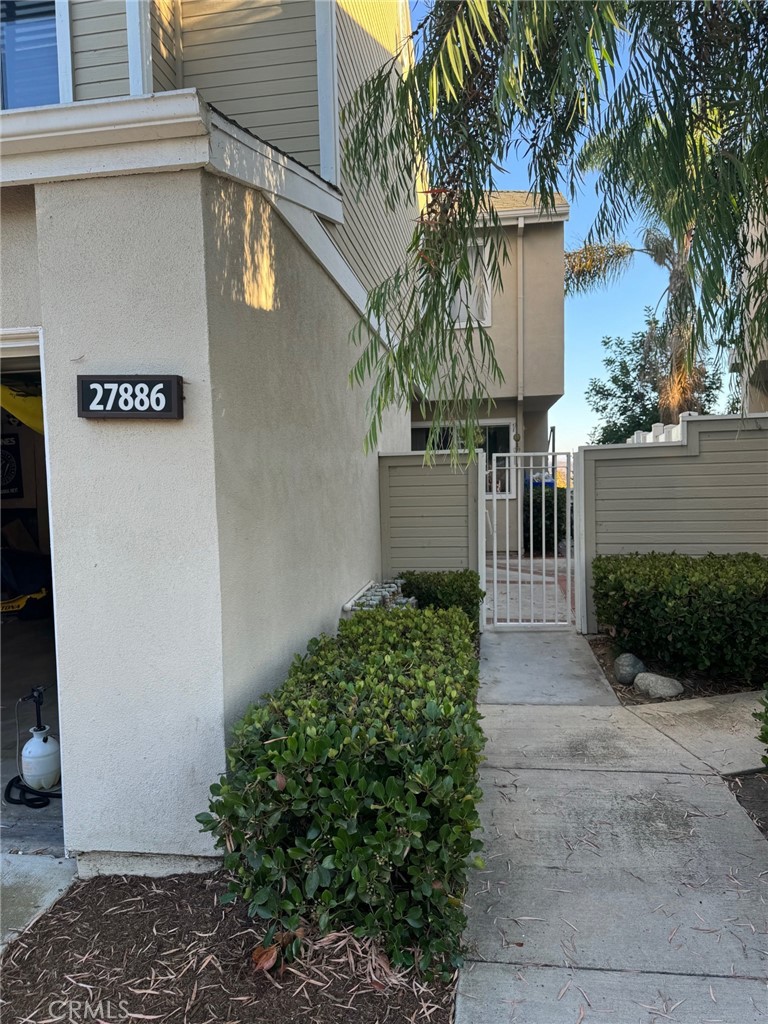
{"x": 244, "y": 247}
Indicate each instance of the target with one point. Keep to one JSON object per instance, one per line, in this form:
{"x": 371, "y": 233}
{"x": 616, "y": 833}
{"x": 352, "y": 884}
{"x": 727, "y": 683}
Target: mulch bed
{"x": 606, "y": 650}
{"x": 165, "y": 950}
{"x": 752, "y": 793}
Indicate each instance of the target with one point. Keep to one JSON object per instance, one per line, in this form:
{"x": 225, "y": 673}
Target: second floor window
{"x": 28, "y": 58}
{"x": 478, "y": 303}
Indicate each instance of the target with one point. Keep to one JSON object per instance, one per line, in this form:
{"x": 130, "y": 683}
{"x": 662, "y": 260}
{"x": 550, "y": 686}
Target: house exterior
{"x": 173, "y": 206}
{"x": 526, "y": 321}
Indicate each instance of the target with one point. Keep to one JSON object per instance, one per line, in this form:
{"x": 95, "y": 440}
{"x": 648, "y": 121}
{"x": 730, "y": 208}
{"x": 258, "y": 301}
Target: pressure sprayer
{"x": 40, "y": 766}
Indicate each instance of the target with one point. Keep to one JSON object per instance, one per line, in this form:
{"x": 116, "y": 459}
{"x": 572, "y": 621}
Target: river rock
{"x": 626, "y": 667}
{"x": 653, "y": 685}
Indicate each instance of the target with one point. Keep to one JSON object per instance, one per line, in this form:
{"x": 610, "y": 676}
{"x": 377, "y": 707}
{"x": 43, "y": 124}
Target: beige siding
{"x": 166, "y": 45}
{"x": 709, "y": 495}
{"x": 373, "y": 239}
{"x": 428, "y": 514}
{"x": 256, "y": 61}
{"x": 99, "y": 49}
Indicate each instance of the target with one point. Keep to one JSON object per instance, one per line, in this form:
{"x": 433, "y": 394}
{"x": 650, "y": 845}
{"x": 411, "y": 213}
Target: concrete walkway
{"x": 623, "y": 882}
{"x": 30, "y": 885}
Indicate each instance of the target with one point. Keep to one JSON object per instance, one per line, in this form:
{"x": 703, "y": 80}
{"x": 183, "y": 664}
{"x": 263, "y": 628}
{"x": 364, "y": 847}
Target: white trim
{"x": 20, "y": 342}
{"x": 168, "y": 131}
{"x": 178, "y": 46}
{"x": 64, "y": 51}
{"x": 240, "y": 156}
{"x": 139, "y": 31}
{"x": 49, "y": 487}
{"x": 327, "y": 90}
{"x": 316, "y": 239}
{"x": 579, "y": 514}
{"x": 561, "y": 212}
{"x": 109, "y": 122}
{"x": 481, "y": 515}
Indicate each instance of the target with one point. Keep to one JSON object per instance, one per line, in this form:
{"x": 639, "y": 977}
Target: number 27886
{"x": 127, "y": 397}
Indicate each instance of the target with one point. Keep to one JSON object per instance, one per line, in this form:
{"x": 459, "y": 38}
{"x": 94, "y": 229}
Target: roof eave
{"x": 561, "y": 212}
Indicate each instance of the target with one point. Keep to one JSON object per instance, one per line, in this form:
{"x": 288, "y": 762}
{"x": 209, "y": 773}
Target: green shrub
{"x": 548, "y": 509}
{"x": 708, "y": 613}
{"x": 351, "y": 795}
{"x": 445, "y": 590}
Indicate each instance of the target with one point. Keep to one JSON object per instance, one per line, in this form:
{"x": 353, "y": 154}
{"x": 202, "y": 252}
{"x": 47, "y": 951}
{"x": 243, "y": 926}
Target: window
{"x": 496, "y": 439}
{"x": 420, "y": 435}
{"x": 478, "y": 304}
{"x": 28, "y": 58}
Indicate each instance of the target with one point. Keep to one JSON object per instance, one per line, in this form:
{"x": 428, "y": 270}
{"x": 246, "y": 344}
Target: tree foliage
{"x": 677, "y": 366}
{"x": 631, "y": 394}
{"x": 673, "y": 91}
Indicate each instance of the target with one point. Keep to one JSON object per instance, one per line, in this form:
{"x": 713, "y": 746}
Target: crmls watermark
{"x": 76, "y": 1011}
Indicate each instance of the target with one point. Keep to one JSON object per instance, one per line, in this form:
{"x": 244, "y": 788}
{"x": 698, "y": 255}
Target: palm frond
{"x": 594, "y": 265}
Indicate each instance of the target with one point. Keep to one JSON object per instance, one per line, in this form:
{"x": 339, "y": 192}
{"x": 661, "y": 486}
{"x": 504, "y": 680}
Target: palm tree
{"x": 595, "y": 265}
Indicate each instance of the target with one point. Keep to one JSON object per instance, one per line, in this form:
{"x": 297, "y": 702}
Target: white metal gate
{"x": 529, "y": 532}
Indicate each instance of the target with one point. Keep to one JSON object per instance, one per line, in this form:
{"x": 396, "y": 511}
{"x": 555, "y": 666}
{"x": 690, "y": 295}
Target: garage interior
{"x": 27, "y": 624}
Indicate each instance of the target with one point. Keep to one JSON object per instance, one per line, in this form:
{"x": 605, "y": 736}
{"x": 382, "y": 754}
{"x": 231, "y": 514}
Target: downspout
{"x": 520, "y": 425}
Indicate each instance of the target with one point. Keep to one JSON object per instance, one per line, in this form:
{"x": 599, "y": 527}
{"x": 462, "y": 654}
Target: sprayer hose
{"x": 35, "y": 799}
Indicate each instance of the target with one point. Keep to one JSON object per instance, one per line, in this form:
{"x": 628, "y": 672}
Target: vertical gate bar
{"x": 530, "y": 526}
{"x": 569, "y": 510}
{"x": 520, "y": 495}
{"x": 557, "y": 579}
{"x": 496, "y": 542}
{"x": 481, "y": 541}
{"x": 506, "y": 530}
{"x": 543, "y": 541}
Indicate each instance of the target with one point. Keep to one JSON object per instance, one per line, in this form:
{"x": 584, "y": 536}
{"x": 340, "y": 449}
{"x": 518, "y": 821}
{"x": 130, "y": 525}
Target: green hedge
{"x": 459, "y": 589}
{"x": 548, "y": 511}
{"x": 704, "y": 613}
{"x": 351, "y": 795}
{"x": 762, "y": 718}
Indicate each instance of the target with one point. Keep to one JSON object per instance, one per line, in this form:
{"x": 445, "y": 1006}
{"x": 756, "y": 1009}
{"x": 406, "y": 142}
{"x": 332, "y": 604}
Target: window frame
{"x": 60, "y": 15}
{"x": 511, "y": 492}
{"x": 487, "y": 320}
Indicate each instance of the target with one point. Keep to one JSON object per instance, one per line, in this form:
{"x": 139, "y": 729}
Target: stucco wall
{"x": 543, "y": 314}
{"x": 19, "y": 280}
{"x": 191, "y": 559}
{"x": 544, "y": 309}
{"x": 756, "y": 399}
{"x": 134, "y": 515}
{"x": 298, "y": 517}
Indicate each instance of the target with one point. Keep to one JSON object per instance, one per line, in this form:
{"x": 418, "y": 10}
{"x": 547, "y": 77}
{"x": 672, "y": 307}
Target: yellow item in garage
{"x": 15, "y": 604}
{"x": 26, "y": 408}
